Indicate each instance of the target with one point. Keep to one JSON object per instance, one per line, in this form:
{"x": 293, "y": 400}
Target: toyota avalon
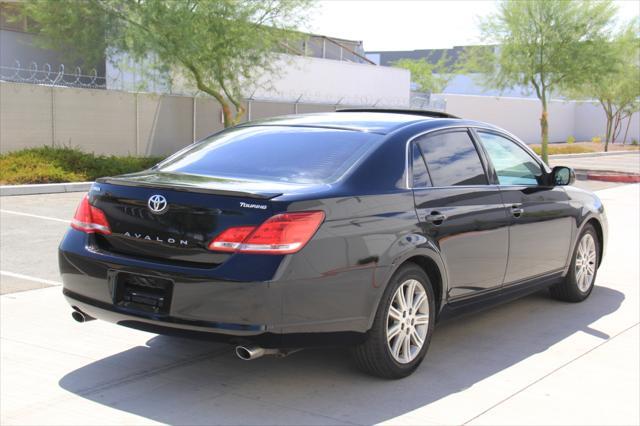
{"x": 357, "y": 227}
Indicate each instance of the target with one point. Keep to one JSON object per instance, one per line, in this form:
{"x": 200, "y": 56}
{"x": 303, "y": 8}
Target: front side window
{"x": 274, "y": 153}
{"x": 452, "y": 159}
{"x": 513, "y": 165}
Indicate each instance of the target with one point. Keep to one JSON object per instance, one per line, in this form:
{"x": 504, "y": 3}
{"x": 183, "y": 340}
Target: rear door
{"x": 540, "y": 215}
{"x": 460, "y": 211}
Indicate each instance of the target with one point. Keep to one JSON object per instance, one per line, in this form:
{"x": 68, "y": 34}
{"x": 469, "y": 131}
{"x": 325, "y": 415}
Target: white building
{"x": 321, "y": 70}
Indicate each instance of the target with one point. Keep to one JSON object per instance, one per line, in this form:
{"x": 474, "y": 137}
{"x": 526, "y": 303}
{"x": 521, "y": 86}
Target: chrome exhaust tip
{"x": 249, "y": 352}
{"x": 80, "y": 316}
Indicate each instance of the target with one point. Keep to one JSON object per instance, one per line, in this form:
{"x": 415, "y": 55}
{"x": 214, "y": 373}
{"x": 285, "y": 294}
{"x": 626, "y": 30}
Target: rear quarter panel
{"x": 338, "y": 278}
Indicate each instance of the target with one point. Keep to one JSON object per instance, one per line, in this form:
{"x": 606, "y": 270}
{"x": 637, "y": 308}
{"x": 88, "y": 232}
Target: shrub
{"x": 51, "y": 165}
{"x": 571, "y": 140}
{"x": 634, "y": 142}
{"x": 596, "y": 139}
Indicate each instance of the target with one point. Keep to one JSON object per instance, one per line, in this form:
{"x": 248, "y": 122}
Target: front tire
{"x": 579, "y": 281}
{"x": 398, "y": 341}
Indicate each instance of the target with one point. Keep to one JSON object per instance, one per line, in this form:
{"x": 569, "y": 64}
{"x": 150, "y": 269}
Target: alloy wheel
{"x": 408, "y": 321}
{"x": 585, "y": 265}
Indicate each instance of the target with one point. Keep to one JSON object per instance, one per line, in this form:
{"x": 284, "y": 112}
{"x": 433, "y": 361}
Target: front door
{"x": 461, "y": 213}
{"x": 541, "y": 221}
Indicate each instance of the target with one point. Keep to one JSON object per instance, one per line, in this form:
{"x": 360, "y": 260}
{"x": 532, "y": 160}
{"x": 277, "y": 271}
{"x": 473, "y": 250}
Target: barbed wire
{"x": 47, "y": 76}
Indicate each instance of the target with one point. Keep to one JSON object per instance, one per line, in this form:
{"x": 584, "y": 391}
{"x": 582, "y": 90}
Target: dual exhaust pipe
{"x": 244, "y": 352}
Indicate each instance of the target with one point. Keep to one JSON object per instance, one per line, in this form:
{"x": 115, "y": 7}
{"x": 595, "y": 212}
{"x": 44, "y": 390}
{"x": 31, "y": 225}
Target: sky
{"x": 417, "y": 24}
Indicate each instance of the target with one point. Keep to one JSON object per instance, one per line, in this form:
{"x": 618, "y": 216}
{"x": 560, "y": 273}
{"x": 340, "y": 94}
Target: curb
{"x": 607, "y": 176}
{"x": 593, "y": 154}
{"x": 44, "y": 188}
{"x": 619, "y": 178}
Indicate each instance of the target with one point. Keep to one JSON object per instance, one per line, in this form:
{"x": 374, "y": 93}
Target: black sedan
{"x": 356, "y": 227}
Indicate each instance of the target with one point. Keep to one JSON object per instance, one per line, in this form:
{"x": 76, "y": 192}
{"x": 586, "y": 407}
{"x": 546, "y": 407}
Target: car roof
{"x": 372, "y": 121}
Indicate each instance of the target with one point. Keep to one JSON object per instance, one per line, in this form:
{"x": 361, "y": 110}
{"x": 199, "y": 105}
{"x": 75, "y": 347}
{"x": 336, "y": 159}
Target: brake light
{"x": 280, "y": 234}
{"x": 90, "y": 219}
{"x": 231, "y": 238}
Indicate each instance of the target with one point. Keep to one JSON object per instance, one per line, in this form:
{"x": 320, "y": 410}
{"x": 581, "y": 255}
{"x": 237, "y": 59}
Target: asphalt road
{"x": 533, "y": 361}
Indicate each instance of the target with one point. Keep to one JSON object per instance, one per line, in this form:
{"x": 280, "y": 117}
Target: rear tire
{"x": 578, "y": 283}
{"x": 406, "y": 313}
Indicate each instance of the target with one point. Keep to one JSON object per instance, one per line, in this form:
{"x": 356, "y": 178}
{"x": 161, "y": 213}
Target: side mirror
{"x": 562, "y": 175}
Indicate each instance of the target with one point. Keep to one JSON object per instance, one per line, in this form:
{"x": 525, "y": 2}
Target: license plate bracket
{"x": 143, "y": 293}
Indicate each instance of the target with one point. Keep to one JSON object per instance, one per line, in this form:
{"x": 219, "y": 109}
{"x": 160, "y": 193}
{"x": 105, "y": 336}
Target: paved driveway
{"x": 532, "y": 361}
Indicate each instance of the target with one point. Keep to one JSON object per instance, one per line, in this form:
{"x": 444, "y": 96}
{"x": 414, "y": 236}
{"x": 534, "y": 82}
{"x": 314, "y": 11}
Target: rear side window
{"x": 452, "y": 159}
{"x": 274, "y": 153}
{"x": 420, "y": 175}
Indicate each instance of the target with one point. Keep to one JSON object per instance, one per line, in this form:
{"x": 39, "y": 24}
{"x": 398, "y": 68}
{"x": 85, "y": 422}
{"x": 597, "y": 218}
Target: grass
{"x": 564, "y": 149}
{"x": 51, "y": 165}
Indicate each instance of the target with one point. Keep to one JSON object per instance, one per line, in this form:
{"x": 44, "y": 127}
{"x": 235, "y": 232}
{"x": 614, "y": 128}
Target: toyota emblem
{"x": 157, "y": 204}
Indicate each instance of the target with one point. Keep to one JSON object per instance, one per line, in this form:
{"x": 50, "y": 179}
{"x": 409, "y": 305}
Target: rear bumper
{"x": 272, "y": 313}
{"x": 219, "y": 332}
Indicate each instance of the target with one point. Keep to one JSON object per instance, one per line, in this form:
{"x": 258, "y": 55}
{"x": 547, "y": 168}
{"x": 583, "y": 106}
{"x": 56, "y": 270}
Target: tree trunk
{"x": 626, "y": 132}
{"x": 227, "y": 114}
{"x": 607, "y": 137}
{"x": 607, "y": 133}
{"x": 544, "y": 130}
{"x": 617, "y": 126}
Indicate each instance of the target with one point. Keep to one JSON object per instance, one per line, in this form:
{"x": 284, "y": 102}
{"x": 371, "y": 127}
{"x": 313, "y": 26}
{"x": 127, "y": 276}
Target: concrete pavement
{"x": 31, "y": 228}
{"x": 533, "y": 361}
{"x": 624, "y": 163}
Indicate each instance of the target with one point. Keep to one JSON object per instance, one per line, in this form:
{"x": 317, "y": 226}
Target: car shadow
{"x": 179, "y": 381}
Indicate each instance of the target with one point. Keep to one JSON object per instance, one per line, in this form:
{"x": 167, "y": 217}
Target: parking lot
{"x": 532, "y": 361}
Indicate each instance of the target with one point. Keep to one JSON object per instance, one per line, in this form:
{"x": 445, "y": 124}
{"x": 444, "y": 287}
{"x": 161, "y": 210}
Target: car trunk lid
{"x": 173, "y": 218}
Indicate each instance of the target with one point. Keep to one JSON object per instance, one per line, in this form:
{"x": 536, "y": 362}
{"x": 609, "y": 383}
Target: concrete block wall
{"x": 115, "y": 122}
{"x": 521, "y": 116}
{"x": 124, "y": 123}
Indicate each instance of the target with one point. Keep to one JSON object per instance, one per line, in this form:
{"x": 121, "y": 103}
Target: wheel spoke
{"x": 397, "y": 344}
{"x": 579, "y": 276}
{"x": 393, "y": 331}
{"x": 401, "y": 300}
{"x": 417, "y": 303}
{"x": 395, "y": 314}
{"x": 421, "y": 319}
{"x": 406, "y": 348}
{"x": 416, "y": 338}
{"x": 411, "y": 286}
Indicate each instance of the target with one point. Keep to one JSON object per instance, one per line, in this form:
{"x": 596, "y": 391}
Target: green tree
{"x": 547, "y": 45}
{"x": 429, "y": 76}
{"x": 222, "y": 47}
{"x": 618, "y": 90}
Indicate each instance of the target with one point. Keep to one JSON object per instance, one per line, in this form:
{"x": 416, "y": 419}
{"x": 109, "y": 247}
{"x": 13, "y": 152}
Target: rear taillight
{"x": 281, "y": 234}
{"x": 90, "y": 219}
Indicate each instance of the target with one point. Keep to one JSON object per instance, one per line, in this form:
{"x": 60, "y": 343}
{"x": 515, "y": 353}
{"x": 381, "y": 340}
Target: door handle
{"x": 435, "y": 217}
{"x": 517, "y": 210}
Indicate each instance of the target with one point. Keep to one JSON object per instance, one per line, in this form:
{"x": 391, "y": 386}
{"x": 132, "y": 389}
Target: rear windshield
{"x": 274, "y": 153}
